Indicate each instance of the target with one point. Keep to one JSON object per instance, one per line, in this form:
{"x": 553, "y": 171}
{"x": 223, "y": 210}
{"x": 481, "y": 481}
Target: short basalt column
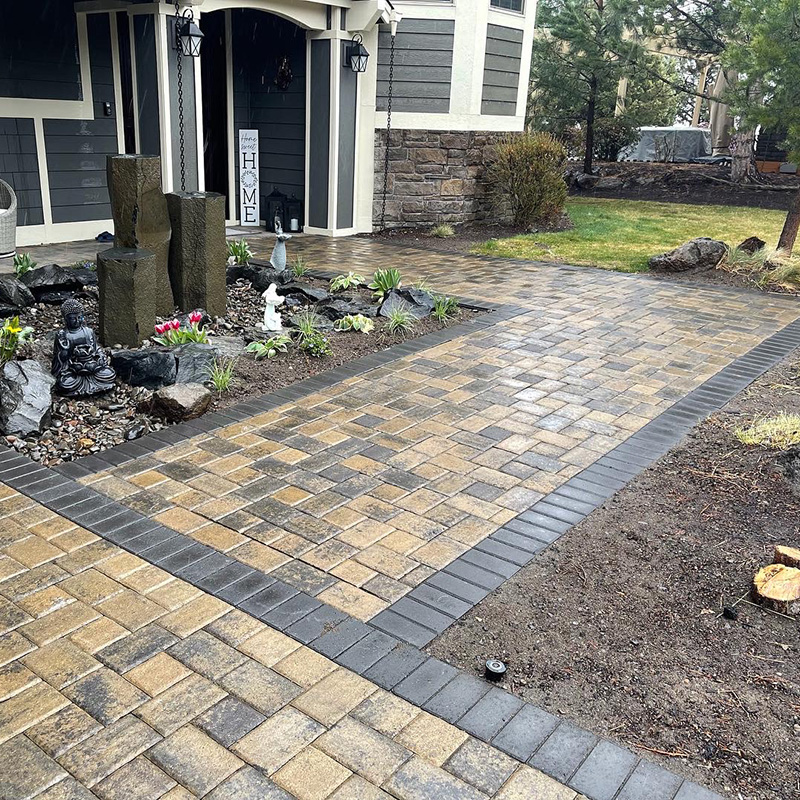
{"x": 141, "y": 218}
{"x": 198, "y": 251}
{"x": 127, "y": 282}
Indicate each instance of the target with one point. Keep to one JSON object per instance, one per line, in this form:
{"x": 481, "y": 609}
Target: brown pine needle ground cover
{"x": 618, "y": 627}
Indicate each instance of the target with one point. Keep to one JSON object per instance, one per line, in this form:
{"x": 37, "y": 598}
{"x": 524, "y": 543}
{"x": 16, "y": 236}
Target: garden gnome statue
{"x": 278, "y": 258}
{"x": 79, "y": 365}
{"x": 272, "y": 317}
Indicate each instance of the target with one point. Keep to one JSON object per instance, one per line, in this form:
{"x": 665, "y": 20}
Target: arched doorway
{"x": 254, "y": 77}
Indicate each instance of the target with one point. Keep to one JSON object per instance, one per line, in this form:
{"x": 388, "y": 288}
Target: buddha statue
{"x": 80, "y": 367}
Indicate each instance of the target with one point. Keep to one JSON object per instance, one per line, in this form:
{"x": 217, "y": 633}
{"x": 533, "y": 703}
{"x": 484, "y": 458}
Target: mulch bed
{"x": 83, "y": 426}
{"x": 695, "y": 184}
{"x": 619, "y": 625}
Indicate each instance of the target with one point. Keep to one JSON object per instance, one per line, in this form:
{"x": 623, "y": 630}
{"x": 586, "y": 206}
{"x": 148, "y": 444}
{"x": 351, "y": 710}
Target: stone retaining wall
{"x": 434, "y": 176}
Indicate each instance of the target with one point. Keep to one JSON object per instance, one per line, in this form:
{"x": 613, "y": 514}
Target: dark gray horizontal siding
{"x": 423, "y": 66}
{"x": 39, "y": 50}
{"x": 278, "y": 115}
{"x": 77, "y": 149}
{"x": 501, "y": 71}
{"x": 20, "y": 168}
{"x": 144, "y": 43}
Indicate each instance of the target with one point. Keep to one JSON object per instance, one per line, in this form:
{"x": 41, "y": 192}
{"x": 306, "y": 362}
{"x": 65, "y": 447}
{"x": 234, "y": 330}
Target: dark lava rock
{"x": 149, "y": 368}
{"x": 419, "y": 303}
{"x": 14, "y": 296}
{"x": 184, "y": 318}
{"x": 182, "y": 401}
{"x": 310, "y": 293}
{"x": 697, "y": 254}
{"x": 752, "y": 245}
{"x": 290, "y": 321}
{"x": 195, "y": 360}
{"x": 54, "y": 284}
{"x": 265, "y": 276}
{"x": 25, "y": 396}
{"x": 342, "y": 306}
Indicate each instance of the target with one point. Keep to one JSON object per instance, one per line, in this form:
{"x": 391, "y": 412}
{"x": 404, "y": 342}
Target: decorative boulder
{"x": 195, "y": 360}
{"x": 25, "y": 388}
{"x": 54, "y": 284}
{"x": 586, "y": 181}
{"x": 150, "y": 368}
{"x": 182, "y": 401}
{"x": 310, "y": 293}
{"x": 342, "y": 306}
{"x": 419, "y": 303}
{"x": 14, "y": 296}
{"x": 262, "y": 278}
{"x": 752, "y": 245}
{"x": 608, "y": 184}
{"x": 697, "y": 254}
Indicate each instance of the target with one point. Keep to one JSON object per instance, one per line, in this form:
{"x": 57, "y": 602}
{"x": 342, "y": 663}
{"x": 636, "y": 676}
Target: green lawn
{"x": 623, "y": 234}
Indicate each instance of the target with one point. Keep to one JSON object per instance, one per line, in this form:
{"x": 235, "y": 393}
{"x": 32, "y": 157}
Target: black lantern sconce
{"x": 276, "y": 209}
{"x": 294, "y": 214}
{"x": 188, "y": 35}
{"x": 357, "y": 54}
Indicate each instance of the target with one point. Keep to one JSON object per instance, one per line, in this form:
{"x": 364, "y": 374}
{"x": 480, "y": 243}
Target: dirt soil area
{"x": 697, "y": 184}
{"x": 619, "y": 625}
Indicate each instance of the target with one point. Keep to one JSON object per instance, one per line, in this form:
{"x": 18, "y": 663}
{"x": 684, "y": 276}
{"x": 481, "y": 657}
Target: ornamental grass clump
{"x": 775, "y": 433}
{"x": 525, "y": 178}
{"x": 171, "y": 333}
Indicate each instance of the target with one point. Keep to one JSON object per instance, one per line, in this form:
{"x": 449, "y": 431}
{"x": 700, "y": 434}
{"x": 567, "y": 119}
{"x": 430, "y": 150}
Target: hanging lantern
{"x": 189, "y": 36}
{"x": 357, "y": 54}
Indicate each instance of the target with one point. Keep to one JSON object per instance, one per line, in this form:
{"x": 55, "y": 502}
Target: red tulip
{"x": 195, "y": 317}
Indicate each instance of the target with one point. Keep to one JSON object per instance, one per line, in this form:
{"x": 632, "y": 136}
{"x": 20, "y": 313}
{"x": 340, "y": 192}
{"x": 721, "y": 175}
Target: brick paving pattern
{"x": 358, "y": 493}
{"x": 118, "y": 680}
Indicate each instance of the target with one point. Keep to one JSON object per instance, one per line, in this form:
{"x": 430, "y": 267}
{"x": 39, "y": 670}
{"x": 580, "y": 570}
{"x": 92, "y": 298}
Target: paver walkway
{"x": 336, "y": 508}
{"x": 118, "y": 680}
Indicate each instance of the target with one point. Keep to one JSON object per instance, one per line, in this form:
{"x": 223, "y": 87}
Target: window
{"x": 508, "y": 5}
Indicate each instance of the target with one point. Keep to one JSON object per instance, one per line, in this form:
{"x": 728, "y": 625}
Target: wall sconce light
{"x": 188, "y": 35}
{"x": 357, "y": 54}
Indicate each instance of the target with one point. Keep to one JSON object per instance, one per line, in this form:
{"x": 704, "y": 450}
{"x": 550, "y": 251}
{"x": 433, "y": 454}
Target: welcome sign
{"x": 249, "y": 211}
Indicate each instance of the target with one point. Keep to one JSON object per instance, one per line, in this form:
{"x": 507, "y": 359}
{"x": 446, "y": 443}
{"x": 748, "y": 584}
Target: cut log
{"x": 778, "y": 587}
{"x": 787, "y": 555}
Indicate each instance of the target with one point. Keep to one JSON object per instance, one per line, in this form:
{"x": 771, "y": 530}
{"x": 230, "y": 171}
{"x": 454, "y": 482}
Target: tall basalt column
{"x": 198, "y": 252}
{"x": 141, "y": 218}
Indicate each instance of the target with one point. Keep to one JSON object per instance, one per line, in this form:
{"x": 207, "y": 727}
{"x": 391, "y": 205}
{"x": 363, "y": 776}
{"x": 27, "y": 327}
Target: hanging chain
{"x": 388, "y": 134}
{"x": 181, "y": 126}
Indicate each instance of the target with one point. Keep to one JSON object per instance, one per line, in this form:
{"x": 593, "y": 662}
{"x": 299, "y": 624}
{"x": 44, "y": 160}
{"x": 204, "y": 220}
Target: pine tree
{"x": 767, "y": 58}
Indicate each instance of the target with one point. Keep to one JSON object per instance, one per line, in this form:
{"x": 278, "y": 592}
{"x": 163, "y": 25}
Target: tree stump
{"x": 778, "y": 587}
{"x": 790, "y": 556}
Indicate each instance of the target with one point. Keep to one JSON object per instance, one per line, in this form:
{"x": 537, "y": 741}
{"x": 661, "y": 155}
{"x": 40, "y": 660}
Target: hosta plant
{"x": 355, "y": 322}
{"x": 383, "y": 281}
{"x": 12, "y": 335}
{"x": 349, "y": 281}
{"x": 171, "y": 332}
{"x": 270, "y": 347}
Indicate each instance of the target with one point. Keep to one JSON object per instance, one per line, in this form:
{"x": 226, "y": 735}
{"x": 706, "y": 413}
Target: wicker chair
{"x": 8, "y": 220}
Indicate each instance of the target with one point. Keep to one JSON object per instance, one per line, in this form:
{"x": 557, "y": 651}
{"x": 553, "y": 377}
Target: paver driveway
{"x": 119, "y": 678}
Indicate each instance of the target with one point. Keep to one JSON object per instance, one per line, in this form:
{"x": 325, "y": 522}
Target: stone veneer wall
{"x": 434, "y": 176}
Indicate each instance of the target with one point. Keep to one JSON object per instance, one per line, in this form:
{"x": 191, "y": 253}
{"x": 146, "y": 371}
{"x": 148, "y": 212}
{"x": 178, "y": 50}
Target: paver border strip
{"x": 386, "y": 650}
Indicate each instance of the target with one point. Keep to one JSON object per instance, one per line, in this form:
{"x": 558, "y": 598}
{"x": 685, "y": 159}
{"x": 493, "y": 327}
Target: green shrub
{"x": 315, "y": 344}
{"x": 349, "y": 281}
{"x": 22, "y": 263}
{"x": 270, "y": 347}
{"x": 355, "y": 322}
{"x": 612, "y": 135}
{"x": 400, "y": 320}
{"x": 221, "y": 373}
{"x": 299, "y": 267}
{"x": 384, "y": 280}
{"x": 239, "y": 250}
{"x": 444, "y": 308}
{"x": 525, "y": 176}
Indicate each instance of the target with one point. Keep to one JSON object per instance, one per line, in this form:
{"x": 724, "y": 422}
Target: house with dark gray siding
{"x": 82, "y": 80}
